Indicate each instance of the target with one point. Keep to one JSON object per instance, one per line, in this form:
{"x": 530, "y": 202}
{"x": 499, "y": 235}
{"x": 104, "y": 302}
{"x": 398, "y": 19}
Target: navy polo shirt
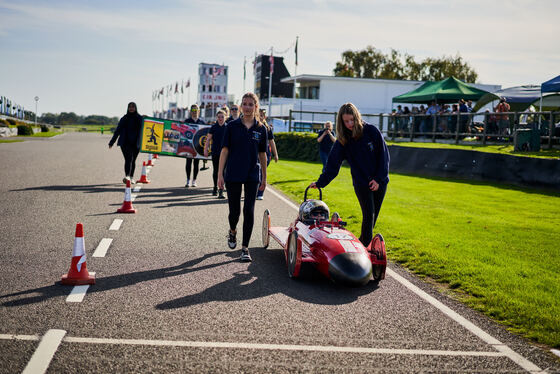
{"x": 244, "y": 146}
{"x": 197, "y": 122}
{"x": 326, "y": 144}
{"x": 368, "y": 158}
{"x": 217, "y": 132}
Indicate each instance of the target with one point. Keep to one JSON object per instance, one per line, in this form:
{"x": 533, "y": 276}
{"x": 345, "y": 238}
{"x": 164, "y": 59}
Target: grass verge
{"x": 506, "y": 149}
{"x": 494, "y": 246}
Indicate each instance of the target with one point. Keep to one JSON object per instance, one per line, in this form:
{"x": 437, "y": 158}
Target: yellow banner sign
{"x": 152, "y": 136}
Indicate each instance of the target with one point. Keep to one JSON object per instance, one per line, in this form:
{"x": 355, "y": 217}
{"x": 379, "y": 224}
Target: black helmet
{"x": 311, "y": 210}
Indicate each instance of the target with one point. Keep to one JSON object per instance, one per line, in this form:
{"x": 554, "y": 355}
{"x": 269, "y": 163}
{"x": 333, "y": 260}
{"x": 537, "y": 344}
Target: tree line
{"x": 71, "y": 118}
{"x": 372, "y": 63}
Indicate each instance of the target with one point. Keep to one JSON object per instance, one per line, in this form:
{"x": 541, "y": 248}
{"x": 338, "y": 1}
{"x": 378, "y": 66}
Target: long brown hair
{"x": 255, "y": 98}
{"x": 342, "y": 133}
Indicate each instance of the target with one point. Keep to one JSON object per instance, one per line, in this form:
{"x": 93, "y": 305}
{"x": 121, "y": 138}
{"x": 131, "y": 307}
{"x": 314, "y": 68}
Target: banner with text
{"x": 174, "y": 138}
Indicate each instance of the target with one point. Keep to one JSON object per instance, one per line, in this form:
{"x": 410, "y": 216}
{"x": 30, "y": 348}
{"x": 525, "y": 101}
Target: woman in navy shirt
{"x": 244, "y": 153}
{"x": 215, "y": 136}
{"x": 363, "y": 146}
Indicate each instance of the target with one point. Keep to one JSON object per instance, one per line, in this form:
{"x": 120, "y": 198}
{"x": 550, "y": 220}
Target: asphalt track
{"x": 171, "y": 297}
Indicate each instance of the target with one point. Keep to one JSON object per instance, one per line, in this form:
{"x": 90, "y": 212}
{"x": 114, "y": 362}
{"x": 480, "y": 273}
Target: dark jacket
{"x": 128, "y": 131}
{"x": 368, "y": 158}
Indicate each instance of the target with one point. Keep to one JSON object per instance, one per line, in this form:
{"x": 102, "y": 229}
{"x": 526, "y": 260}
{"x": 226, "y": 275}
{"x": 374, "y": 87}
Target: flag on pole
{"x": 271, "y": 60}
{"x": 244, "y": 67}
{"x": 188, "y": 84}
{"x": 176, "y": 87}
{"x": 296, "y": 49}
{"x": 182, "y": 84}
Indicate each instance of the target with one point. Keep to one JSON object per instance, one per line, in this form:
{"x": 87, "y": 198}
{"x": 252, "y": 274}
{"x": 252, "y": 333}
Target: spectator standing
{"x": 193, "y": 119}
{"x": 363, "y": 146}
{"x": 129, "y": 134}
{"x": 215, "y": 137}
{"x": 243, "y": 155}
{"x": 503, "y": 119}
{"x": 432, "y": 111}
{"x": 326, "y": 139}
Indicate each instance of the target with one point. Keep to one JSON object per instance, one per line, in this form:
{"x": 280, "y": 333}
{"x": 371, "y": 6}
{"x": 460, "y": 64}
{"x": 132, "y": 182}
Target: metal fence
{"x": 478, "y": 128}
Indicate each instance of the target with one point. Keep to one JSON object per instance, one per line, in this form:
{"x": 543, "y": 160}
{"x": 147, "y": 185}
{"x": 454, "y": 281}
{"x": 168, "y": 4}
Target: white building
{"x": 212, "y": 88}
{"x": 322, "y": 93}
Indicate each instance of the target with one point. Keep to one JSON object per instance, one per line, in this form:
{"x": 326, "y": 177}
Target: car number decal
{"x": 340, "y": 236}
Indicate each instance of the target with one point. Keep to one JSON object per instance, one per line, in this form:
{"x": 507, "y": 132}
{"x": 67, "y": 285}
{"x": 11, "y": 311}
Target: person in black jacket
{"x": 363, "y": 147}
{"x": 215, "y": 137}
{"x": 193, "y": 119}
{"x": 129, "y": 134}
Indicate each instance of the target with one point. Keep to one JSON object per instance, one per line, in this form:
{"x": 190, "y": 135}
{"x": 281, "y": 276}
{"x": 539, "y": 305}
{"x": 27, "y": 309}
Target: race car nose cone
{"x": 351, "y": 269}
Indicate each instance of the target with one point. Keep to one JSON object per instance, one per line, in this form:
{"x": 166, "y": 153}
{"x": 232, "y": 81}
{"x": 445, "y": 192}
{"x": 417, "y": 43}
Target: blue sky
{"x": 93, "y": 57}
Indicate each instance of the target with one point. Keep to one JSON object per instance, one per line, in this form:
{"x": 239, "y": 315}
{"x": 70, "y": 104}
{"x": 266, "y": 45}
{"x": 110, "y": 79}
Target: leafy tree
{"x": 372, "y": 63}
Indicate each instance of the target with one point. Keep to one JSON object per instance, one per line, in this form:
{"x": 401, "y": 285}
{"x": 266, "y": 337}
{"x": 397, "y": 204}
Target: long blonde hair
{"x": 255, "y": 98}
{"x": 342, "y": 133}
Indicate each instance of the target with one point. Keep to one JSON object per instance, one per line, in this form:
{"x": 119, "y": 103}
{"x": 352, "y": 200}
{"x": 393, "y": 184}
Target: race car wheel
{"x": 265, "y": 228}
{"x": 294, "y": 255}
{"x": 379, "y": 264}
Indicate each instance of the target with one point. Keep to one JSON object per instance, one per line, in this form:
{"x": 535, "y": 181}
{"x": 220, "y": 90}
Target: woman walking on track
{"x": 363, "y": 147}
{"x": 193, "y": 119}
{"x": 215, "y": 136}
{"x": 128, "y": 132}
{"x": 244, "y": 152}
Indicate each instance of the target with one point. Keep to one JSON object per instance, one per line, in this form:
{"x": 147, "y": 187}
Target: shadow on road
{"x": 265, "y": 276}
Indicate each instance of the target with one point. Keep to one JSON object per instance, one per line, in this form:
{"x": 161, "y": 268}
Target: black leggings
{"x": 130, "y": 152}
{"x": 370, "y": 202}
{"x": 234, "y": 202}
{"x": 189, "y": 165}
{"x": 215, "y": 167}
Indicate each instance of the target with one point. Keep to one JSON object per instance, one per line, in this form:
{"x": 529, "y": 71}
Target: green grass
{"x": 494, "y": 247}
{"x": 10, "y": 140}
{"x": 490, "y": 148}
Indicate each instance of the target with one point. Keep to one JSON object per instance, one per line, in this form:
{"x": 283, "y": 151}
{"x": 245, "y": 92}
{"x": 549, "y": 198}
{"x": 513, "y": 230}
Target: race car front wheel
{"x": 294, "y": 255}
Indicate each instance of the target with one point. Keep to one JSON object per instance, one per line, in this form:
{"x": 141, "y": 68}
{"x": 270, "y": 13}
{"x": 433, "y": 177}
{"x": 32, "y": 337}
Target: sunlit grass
{"x": 495, "y": 246}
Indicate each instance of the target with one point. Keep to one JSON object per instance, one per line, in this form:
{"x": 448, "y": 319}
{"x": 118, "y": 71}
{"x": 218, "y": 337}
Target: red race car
{"x": 325, "y": 243}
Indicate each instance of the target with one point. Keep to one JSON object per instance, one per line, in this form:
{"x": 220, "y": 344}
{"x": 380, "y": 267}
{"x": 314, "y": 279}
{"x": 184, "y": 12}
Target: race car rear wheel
{"x": 378, "y": 249}
{"x": 294, "y": 255}
{"x": 265, "y": 228}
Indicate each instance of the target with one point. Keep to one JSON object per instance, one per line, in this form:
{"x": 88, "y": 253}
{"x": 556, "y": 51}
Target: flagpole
{"x": 270, "y": 79}
{"x": 244, "y": 72}
{"x": 295, "y": 73}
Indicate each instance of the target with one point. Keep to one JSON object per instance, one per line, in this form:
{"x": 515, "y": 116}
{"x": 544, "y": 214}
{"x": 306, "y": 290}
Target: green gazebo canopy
{"x": 449, "y": 90}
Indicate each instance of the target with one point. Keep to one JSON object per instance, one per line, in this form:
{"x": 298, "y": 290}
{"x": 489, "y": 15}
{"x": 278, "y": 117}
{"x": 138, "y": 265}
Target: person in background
{"x": 215, "y": 137}
{"x": 193, "y": 119}
{"x": 432, "y": 111}
{"x": 363, "y": 147}
{"x": 129, "y": 134}
{"x": 243, "y": 155}
{"x": 270, "y": 148}
{"x": 234, "y": 110}
{"x": 503, "y": 119}
{"x": 326, "y": 139}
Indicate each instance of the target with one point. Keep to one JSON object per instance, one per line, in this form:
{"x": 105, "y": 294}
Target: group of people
{"x": 240, "y": 160}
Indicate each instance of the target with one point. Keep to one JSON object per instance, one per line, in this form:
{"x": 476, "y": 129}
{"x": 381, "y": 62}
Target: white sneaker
{"x": 193, "y": 183}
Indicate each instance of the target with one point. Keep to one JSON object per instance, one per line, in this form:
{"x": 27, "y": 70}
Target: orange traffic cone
{"x": 143, "y": 178}
{"x": 156, "y": 156}
{"x": 78, "y": 274}
{"x": 150, "y": 163}
{"x": 127, "y": 204}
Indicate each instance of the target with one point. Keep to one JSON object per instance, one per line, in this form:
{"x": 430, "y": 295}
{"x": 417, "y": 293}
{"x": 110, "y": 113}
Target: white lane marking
{"x": 556, "y": 352}
{"x": 133, "y": 197}
{"x": 507, "y": 351}
{"x": 137, "y": 189}
{"x": 102, "y": 247}
{"x": 18, "y": 337}
{"x": 278, "y": 347}
{"x": 44, "y": 353}
{"x": 78, "y": 292}
{"x": 117, "y": 222}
